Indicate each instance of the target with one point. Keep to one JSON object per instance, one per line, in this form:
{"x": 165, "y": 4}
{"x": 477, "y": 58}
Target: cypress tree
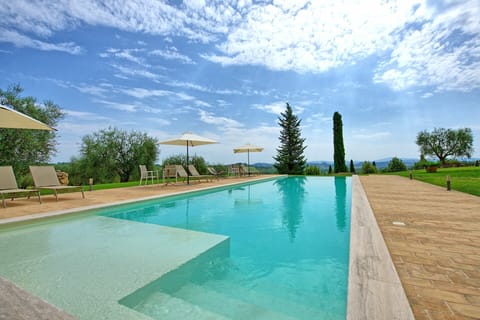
{"x": 338, "y": 148}
{"x": 290, "y": 158}
{"x": 352, "y": 167}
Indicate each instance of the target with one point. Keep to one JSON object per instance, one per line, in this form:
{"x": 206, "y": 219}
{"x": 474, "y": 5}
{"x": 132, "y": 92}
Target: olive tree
{"x": 395, "y": 165}
{"x": 443, "y": 143}
{"x": 21, "y": 147}
{"x": 112, "y": 154}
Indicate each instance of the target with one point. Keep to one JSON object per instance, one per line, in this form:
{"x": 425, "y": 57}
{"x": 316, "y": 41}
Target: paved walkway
{"x": 437, "y": 252}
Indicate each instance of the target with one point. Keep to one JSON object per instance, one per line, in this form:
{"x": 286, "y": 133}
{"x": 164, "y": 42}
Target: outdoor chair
{"x": 181, "y": 171}
{"x": 214, "y": 172}
{"x": 242, "y": 171}
{"x": 194, "y": 173}
{"x": 145, "y": 174}
{"x": 233, "y": 170}
{"x": 9, "y": 187}
{"x": 45, "y": 178}
{"x": 173, "y": 171}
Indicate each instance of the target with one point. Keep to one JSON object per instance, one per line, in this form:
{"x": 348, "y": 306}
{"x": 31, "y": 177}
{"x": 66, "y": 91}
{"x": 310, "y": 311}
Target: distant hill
{"x": 380, "y": 163}
{"x": 324, "y": 164}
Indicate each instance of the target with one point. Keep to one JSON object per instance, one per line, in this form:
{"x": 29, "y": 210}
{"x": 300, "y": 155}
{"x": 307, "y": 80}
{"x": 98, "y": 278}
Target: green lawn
{"x": 462, "y": 179}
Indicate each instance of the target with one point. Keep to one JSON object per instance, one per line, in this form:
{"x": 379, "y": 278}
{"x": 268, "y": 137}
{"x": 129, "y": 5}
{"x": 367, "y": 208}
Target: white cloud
{"x": 312, "y": 36}
{"x": 275, "y": 108}
{"x": 442, "y": 52}
{"x": 427, "y": 95}
{"x": 119, "y": 106}
{"x": 187, "y": 85}
{"x": 172, "y": 54}
{"x": 20, "y": 40}
{"x": 134, "y": 72}
{"x": 278, "y": 107}
{"x": 184, "y": 96}
{"x": 42, "y": 18}
{"x": 126, "y": 54}
{"x": 84, "y": 115}
{"x": 222, "y": 122}
{"x": 193, "y": 86}
{"x": 427, "y": 43}
{"x": 145, "y": 93}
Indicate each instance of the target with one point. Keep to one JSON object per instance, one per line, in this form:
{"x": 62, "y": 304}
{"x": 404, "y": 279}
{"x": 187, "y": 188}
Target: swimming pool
{"x": 286, "y": 256}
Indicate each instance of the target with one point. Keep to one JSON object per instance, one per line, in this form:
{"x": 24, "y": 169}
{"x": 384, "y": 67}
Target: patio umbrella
{"x": 188, "y": 139}
{"x": 248, "y": 148}
{"x": 10, "y": 118}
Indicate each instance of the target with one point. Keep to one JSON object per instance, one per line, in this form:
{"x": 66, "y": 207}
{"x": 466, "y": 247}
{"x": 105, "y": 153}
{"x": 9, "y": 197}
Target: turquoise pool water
{"x": 288, "y": 257}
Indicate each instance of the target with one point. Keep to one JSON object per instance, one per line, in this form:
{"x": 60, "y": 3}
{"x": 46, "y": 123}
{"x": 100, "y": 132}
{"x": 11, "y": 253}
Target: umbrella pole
{"x": 188, "y": 176}
{"x": 248, "y": 162}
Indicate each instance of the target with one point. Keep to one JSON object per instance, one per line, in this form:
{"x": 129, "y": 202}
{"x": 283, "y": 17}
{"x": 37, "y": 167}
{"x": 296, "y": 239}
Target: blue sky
{"x": 225, "y": 69}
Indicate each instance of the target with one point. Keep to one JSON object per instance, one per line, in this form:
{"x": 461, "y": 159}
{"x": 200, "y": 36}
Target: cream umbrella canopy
{"x": 188, "y": 139}
{"x": 248, "y": 148}
{"x": 10, "y": 118}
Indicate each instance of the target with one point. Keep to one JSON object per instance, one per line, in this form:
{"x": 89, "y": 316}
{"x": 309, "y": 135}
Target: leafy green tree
{"x": 21, "y": 147}
{"x": 352, "y": 166}
{"x": 290, "y": 158}
{"x": 368, "y": 167}
{"x": 395, "y": 165}
{"x": 443, "y": 143}
{"x": 111, "y": 154}
{"x": 338, "y": 148}
{"x": 181, "y": 159}
{"x": 312, "y": 171}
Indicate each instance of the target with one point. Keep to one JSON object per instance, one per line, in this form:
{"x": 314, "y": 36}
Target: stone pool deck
{"x": 436, "y": 254}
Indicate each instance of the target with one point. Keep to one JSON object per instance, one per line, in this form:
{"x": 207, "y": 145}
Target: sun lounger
{"x": 242, "y": 171}
{"x": 173, "y": 171}
{"x": 194, "y": 173}
{"x": 214, "y": 172}
{"x": 181, "y": 171}
{"x": 45, "y": 177}
{"x": 9, "y": 187}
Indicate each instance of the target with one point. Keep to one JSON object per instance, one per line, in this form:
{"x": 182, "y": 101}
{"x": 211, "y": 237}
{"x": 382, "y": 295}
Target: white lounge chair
{"x": 45, "y": 177}
{"x": 9, "y": 187}
{"x": 194, "y": 173}
{"x": 145, "y": 174}
{"x": 174, "y": 171}
{"x": 214, "y": 172}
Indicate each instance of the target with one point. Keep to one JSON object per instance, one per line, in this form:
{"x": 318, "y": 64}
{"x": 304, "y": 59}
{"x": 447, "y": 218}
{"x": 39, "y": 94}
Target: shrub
{"x": 312, "y": 171}
{"x": 368, "y": 167}
{"x": 181, "y": 159}
{"x": 396, "y": 165}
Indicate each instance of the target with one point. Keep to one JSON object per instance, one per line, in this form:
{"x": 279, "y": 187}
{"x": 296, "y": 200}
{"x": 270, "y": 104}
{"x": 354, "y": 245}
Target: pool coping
{"x": 79, "y": 210}
{"x": 374, "y": 287}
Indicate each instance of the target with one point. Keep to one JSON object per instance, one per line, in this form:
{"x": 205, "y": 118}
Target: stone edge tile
{"x": 374, "y": 287}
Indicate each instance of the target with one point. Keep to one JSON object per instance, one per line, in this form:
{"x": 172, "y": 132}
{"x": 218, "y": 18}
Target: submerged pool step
{"x": 230, "y": 307}
{"x": 162, "y": 306}
{"x": 273, "y": 297}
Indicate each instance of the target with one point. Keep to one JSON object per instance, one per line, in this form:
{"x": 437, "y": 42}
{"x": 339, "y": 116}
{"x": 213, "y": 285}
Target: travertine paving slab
{"x": 437, "y": 252}
{"x": 374, "y": 289}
